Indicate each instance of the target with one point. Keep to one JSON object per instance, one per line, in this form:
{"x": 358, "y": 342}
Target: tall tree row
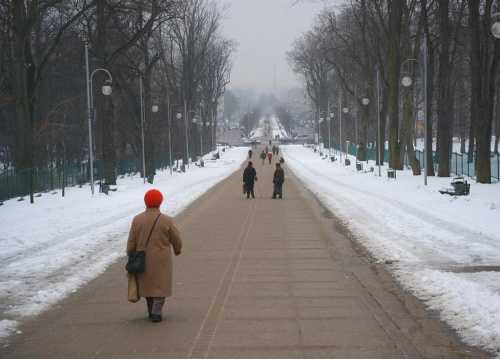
{"x": 364, "y": 40}
{"x": 174, "y": 48}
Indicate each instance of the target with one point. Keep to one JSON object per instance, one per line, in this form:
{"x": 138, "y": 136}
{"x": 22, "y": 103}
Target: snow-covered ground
{"x": 444, "y": 249}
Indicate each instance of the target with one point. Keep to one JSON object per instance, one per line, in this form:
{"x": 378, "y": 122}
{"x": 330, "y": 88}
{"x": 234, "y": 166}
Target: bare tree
{"x": 28, "y": 67}
{"x": 485, "y": 55}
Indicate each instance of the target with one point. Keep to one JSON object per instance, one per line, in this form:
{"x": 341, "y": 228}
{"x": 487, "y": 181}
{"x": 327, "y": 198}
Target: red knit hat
{"x": 153, "y": 198}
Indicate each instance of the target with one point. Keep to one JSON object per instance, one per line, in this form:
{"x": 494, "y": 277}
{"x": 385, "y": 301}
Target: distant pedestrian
{"x": 270, "y": 157}
{"x": 250, "y": 153}
{"x": 263, "y": 157}
{"x": 249, "y": 176}
{"x": 282, "y": 160}
{"x": 155, "y": 283}
{"x": 278, "y": 180}
{"x": 270, "y": 142}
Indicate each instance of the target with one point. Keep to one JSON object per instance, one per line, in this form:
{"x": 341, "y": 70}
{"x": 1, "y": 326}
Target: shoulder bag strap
{"x": 152, "y": 230}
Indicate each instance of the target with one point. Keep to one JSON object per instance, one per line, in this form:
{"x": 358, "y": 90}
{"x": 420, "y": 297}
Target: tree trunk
{"x": 406, "y": 131}
{"x": 394, "y": 64}
{"x": 444, "y": 135}
{"x": 429, "y": 160}
{"x": 24, "y": 69}
{"x": 484, "y": 65}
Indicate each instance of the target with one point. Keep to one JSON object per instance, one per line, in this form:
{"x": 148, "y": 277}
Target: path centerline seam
{"x": 205, "y": 335}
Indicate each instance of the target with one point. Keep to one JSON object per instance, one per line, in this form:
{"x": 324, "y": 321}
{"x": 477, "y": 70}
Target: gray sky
{"x": 265, "y": 30}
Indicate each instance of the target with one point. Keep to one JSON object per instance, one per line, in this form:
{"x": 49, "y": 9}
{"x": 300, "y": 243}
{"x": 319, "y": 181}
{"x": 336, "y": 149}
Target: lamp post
{"x": 379, "y": 145}
{"x": 154, "y": 108}
{"x": 187, "y": 137}
{"x": 329, "y": 118}
{"x": 212, "y": 148}
{"x": 407, "y": 81}
{"x": 345, "y": 110}
{"x": 194, "y": 121}
{"x": 318, "y": 133}
{"x": 200, "y": 130}
{"x": 320, "y": 120}
{"x": 331, "y": 115}
{"x": 356, "y": 124}
{"x": 169, "y": 119}
{"x": 365, "y": 101}
{"x": 106, "y": 90}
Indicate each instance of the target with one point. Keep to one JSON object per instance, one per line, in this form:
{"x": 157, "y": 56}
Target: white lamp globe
{"x": 495, "y": 30}
{"x": 106, "y": 90}
{"x": 406, "y": 81}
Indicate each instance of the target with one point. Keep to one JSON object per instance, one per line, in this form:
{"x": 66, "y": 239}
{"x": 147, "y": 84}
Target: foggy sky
{"x": 265, "y": 30}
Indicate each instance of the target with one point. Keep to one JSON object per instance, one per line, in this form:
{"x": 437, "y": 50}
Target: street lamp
{"x": 200, "y": 130}
{"x": 407, "y": 81}
{"x": 186, "y": 113}
{"x": 365, "y": 101}
{"x": 329, "y": 118}
{"x": 320, "y": 119}
{"x": 106, "y": 90}
{"x": 154, "y": 108}
{"x": 186, "y": 120}
{"x": 331, "y": 115}
{"x": 178, "y": 115}
{"x": 212, "y": 132}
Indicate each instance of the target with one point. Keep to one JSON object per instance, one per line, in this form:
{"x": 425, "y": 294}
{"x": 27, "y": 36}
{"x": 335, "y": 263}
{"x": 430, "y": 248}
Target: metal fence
{"x": 17, "y": 184}
{"x": 460, "y": 163}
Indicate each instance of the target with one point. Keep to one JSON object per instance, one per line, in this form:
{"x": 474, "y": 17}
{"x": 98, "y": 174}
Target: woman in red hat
{"x": 155, "y": 283}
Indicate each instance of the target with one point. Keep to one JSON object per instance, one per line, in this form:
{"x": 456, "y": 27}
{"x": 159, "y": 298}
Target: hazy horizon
{"x": 265, "y": 31}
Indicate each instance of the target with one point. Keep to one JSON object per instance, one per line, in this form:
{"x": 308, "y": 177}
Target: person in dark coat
{"x": 155, "y": 283}
{"x": 263, "y": 157}
{"x": 278, "y": 180}
{"x": 250, "y": 153}
{"x": 249, "y": 176}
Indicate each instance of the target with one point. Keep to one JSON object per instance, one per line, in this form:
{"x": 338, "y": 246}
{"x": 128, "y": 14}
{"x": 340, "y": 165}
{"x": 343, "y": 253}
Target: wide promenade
{"x": 258, "y": 278}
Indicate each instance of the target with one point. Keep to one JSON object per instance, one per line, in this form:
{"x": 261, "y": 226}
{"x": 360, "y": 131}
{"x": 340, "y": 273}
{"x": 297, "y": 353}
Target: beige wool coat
{"x": 156, "y": 280}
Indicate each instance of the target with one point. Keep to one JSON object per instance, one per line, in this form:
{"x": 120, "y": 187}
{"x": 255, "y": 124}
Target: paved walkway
{"x": 258, "y": 278}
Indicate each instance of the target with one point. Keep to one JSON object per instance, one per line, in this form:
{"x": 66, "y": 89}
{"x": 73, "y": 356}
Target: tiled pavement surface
{"x": 258, "y": 278}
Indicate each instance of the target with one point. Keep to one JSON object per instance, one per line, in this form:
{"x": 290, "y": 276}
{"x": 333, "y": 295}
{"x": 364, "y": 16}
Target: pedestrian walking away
{"x": 249, "y": 176}
{"x": 270, "y": 157}
{"x": 263, "y": 157}
{"x": 155, "y": 283}
{"x": 250, "y": 153}
{"x": 278, "y": 180}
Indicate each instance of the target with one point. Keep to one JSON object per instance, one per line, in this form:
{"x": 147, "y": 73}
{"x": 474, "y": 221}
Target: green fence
{"x": 16, "y": 184}
{"x": 460, "y": 163}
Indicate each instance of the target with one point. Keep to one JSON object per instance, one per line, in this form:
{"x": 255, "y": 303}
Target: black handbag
{"x": 137, "y": 261}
